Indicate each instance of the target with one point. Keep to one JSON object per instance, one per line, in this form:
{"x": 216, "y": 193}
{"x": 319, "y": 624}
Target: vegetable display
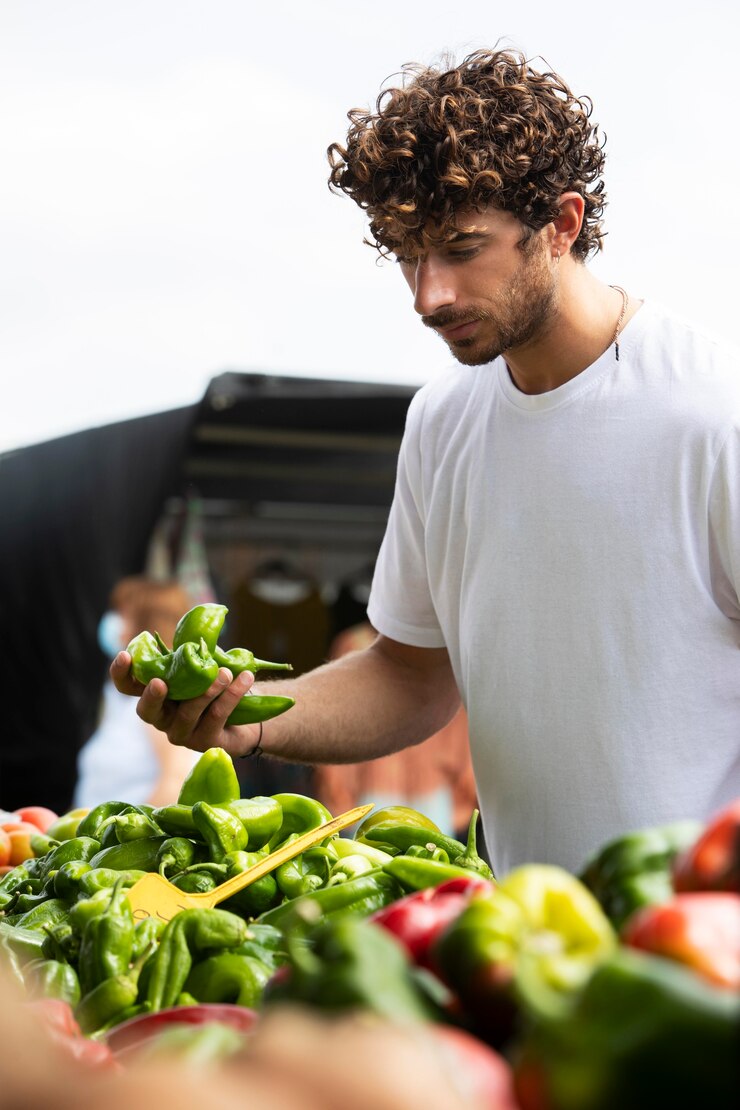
{"x": 615, "y": 988}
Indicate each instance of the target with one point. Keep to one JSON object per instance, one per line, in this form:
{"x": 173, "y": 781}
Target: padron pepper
{"x": 229, "y": 977}
{"x": 348, "y": 964}
{"x": 177, "y": 820}
{"x": 67, "y": 879}
{"x": 221, "y": 830}
{"x": 78, "y": 848}
{"x": 253, "y": 709}
{"x": 138, "y": 855}
{"x": 202, "y": 622}
{"x": 304, "y": 873}
{"x": 241, "y": 659}
{"x": 93, "y": 822}
{"x": 188, "y": 671}
{"x": 212, "y": 779}
{"x": 105, "y": 878}
{"x": 52, "y": 979}
{"x": 256, "y": 898}
{"x": 175, "y": 854}
{"x": 261, "y": 817}
{"x": 189, "y": 934}
{"x": 360, "y": 896}
{"x": 107, "y": 941}
{"x": 300, "y": 814}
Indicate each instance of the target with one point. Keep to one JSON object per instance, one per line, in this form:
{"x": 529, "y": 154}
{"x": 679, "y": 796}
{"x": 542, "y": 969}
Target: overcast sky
{"x": 164, "y": 214}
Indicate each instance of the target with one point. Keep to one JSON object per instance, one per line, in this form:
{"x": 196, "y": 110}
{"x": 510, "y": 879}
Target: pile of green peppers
{"x": 192, "y": 664}
{"x": 67, "y": 929}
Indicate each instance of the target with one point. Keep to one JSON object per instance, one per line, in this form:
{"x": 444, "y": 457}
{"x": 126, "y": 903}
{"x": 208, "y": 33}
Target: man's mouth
{"x": 453, "y": 332}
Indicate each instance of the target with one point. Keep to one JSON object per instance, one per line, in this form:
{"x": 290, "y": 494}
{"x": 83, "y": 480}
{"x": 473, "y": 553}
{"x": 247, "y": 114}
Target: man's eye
{"x": 462, "y": 256}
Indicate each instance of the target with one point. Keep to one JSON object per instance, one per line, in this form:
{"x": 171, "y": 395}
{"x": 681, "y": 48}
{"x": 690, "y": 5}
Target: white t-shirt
{"x": 578, "y": 554}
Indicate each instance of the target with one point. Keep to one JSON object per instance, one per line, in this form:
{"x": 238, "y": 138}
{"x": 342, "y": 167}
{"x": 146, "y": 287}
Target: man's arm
{"x": 362, "y": 706}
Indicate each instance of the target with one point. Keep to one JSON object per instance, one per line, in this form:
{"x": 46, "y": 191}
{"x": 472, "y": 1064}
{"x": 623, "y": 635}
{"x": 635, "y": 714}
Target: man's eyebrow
{"x": 464, "y": 236}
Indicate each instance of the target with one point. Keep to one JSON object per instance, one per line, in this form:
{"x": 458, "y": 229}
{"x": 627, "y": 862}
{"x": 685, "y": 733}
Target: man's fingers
{"x": 121, "y": 676}
{"x": 200, "y": 721}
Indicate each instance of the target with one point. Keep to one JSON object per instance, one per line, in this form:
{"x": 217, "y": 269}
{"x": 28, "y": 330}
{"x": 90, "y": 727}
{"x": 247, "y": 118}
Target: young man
{"x": 562, "y": 551}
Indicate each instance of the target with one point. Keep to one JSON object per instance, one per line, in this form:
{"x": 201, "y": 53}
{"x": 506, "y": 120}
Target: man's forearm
{"x": 367, "y": 704}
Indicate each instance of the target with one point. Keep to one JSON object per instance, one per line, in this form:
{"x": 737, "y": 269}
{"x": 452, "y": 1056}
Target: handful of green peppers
{"x": 193, "y": 662}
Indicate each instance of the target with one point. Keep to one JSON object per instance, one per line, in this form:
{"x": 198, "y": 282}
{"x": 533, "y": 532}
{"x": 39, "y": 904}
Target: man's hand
{"x": 198, "y": 723}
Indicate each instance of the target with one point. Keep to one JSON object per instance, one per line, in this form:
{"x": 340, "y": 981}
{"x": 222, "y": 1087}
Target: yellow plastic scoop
{"x": 155, "y": 896}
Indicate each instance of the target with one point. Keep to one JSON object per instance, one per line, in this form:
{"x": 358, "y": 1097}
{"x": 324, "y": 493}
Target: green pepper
{"x": 105, "y": 878}
{"x": 393, "y": 816}
{"x": 252, "y": 709}
{"x": 643, "y": 1032}
{"x": 347, "y": 963}
{"x": 138, "y": 855}
{"x": 11, "y": 883}
{"x": 176, "y": 820}
{"x": 52, "y": 979}
{"x": 417, "y": 873}
{"x": 27, "y": 944}
{"x": 109, "y": 999}
{"x": 41, "y": 843}
{"x": 188, "y": 934}
{"x": 229, "y": 977}
{"x": 399, "y": 838}
{"x": 88, "y": 907}
{"x": 148, "y": 658}
{"x": 212, "y": 779}
{"x": 303, "y": 873}
{"x": 79, "y": 848}
{"x": 42, "y": 916}
{"x": 92, "y": 824}
{"x": 266, "y": 943}
{"x": 107, "y": 941}
{"x": 349, "y": 868}
{"x": 634, "y": 870}
{"x": 132, "y": 826}
{"x": 202, "y": 622}
{"x": 362, "y": 895}
{"x": 67, "y": 879}
{"x": 28, "y": 900}
{"x": 146, "y": 936}
{"x": 221, "y": 830}
{"x": 240, "y": 659}
{"x": 259, "y": 896}
{"x": 300, "y": 815}
{"x": 61, "y": 942}
{"x": 175, "y": 854}
{"x": 261, "y": 817}
{"x": 195, "y": 882}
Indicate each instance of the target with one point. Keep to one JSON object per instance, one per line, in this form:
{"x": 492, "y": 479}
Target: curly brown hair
{"x": 489, "y": 131}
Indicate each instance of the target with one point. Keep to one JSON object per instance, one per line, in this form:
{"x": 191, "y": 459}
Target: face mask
{"x": 111, "y": 634}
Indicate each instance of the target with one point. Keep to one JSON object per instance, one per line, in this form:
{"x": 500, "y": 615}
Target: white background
{"x": 164, "y": 214}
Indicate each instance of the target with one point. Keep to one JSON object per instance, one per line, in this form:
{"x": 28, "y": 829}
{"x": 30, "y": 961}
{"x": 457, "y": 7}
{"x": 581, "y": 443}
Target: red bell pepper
{"x": 701, "y": 930}
{"x": 418, "y": 918}
{"x": 713, "y": 862}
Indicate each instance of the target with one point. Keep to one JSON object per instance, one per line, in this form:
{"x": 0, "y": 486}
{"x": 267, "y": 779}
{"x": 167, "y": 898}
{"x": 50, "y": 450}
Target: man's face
{"x": 483, "y": 292}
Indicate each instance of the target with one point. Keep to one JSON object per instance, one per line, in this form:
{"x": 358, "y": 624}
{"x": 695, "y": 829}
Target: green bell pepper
{"x": 634, "y": 870}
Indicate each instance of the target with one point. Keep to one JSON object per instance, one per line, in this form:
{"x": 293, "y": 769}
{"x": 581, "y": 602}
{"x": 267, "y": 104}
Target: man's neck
{"x": 581, "y": 330}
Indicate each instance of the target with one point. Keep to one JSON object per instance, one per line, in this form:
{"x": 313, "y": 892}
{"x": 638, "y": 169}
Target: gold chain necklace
{"x": 620, "y": 321}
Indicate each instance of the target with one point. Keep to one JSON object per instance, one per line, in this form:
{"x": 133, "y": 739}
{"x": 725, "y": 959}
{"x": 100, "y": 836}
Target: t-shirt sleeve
{"x": 400, "y": 604}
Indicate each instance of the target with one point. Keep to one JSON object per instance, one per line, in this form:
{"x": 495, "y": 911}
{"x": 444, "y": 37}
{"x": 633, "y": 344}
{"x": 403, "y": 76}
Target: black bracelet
{"x": 257, "y": 749}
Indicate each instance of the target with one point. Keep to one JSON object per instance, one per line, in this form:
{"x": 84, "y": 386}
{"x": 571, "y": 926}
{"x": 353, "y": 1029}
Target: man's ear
{"x": 566, "y": 227}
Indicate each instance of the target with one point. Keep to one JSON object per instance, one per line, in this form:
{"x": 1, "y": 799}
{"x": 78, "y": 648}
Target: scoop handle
{"x": 288, "y": 851}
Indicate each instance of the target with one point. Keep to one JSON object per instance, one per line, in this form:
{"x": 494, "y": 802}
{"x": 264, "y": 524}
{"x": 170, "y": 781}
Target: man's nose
{"x": 432, "y": 286}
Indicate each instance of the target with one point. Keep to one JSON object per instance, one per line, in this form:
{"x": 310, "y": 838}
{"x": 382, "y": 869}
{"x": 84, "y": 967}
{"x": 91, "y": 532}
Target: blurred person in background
{"x": 126, "y": 758}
